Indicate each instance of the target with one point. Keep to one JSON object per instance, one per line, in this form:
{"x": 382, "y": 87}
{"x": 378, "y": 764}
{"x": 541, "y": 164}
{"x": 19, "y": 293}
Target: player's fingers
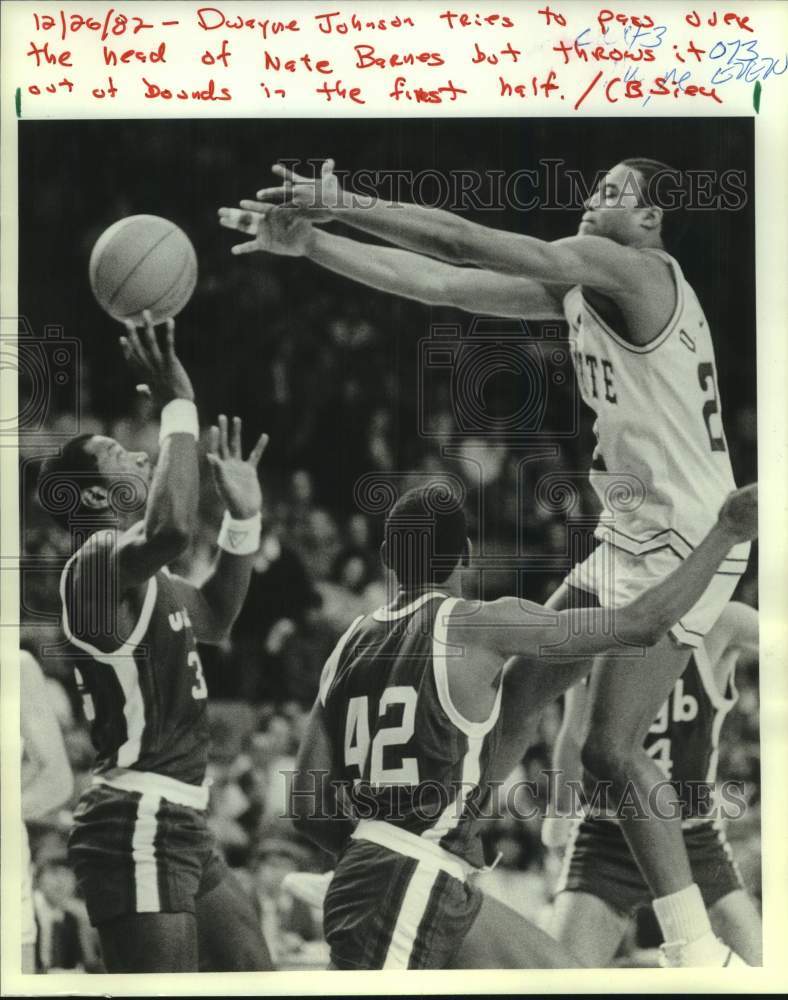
{"x": 245, "y": 247}
{"x": 169, "y": 336}
{"x": 213, "y": 441}
{"x": 138, "y": 353}
{"x": 150, "y": 337}
{"x": 257, "y": 207}
{"x": 124, "y": 346}
{"x": 223, "y": 449}
{"x": 288, "y": 175}
{"x": 235, "y": 438}
{"x": 143, "y": 389}
{"x": 234, "y": 218}
{"x": 275, "y": 194}
{"x": 257, "y": 452}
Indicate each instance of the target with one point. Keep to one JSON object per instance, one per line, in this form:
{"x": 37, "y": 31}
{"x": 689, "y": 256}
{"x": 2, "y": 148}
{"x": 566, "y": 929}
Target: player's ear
{"x": 465, "y": 559}
{"x": 94, "y": 497}
{"x": 651, "y": 217}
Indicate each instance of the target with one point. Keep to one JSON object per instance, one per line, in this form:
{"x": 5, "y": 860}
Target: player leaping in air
{"x": 403, "y": 736}
{"x": 644, "y": 360}
{"x": 150, "y": 872}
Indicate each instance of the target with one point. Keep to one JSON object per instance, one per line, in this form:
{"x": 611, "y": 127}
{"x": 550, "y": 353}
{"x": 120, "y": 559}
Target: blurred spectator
{"x": 65, "y": 938}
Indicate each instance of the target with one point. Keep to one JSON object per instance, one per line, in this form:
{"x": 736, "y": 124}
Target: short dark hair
{"x": 425, "y": 534}
{"x": 62, "y": 477}
{"x": 674, "y": 217}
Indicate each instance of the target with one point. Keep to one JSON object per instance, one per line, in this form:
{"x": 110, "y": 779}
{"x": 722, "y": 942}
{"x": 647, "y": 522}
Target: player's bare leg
{"x": 592, "y": 928}
{"x": 736, "y": 921}
{"x": 229, "y": 934}
{"x": 150, "y": 942}
{"x": 501, "y": 938}
{"x": 625, "y": 695}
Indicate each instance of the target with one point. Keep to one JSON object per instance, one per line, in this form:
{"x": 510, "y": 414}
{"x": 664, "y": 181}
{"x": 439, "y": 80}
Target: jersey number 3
{"x": 711, "y": 408}
{"x": 357, "y": 737}
{"x": 200, "y": 688}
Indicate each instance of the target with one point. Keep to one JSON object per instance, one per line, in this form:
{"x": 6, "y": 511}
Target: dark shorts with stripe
{"x": 136, "y": 853}
{"x": 600, "y": 863}
{"x": 385, "y": 910}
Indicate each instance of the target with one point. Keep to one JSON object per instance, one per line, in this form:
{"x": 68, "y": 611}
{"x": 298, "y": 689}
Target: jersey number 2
{"x": 357, "y": 737}
{"x": 711, "y": 407}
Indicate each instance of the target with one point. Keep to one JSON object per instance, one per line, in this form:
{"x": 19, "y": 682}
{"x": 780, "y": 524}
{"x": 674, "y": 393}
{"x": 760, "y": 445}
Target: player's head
{"x": 426, "y": 536}
{"x": 636, "y": 203}
{"x": 78, "y": 482}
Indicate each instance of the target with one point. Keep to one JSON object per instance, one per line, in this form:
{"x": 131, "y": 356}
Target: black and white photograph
{"x": 389, "y": 544}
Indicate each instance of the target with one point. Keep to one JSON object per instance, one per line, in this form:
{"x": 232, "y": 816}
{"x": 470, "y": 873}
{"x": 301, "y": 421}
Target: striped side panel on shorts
{"x": 429, "y": 926}
{"x": 143, "y": 852}
{"x": 391, "y": 908}
{"x": 415, "y": 905}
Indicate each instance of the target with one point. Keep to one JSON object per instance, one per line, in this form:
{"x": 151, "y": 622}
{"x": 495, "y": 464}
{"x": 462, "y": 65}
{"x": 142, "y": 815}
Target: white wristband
{"x": 240, "y": 537}
{"x": 179, "y": 416}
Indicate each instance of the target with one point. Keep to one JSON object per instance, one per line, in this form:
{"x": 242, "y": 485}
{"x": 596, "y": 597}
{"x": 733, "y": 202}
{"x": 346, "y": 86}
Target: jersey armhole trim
{"x": 128, "y": 647}
{"x": 332, "y": 663}
{"x": 440, "y": 644}
{"x": 659, "y": 340}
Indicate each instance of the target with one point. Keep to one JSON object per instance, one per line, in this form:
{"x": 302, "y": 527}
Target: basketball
{"x": 143, "y": 262}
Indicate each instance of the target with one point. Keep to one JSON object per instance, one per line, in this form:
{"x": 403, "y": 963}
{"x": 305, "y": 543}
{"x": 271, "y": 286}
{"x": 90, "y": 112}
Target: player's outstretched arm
{"x": 171, "y": 502}
{"x": 512, "y": 627}
{"x": 47, "y": 781}
{"x": 590, "y": 260}
{"x": 280, "y": 230}
{"x": 217, "y": 602}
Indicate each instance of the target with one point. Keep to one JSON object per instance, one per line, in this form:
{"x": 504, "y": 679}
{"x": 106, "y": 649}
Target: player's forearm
{"x": 451, "y": 238}
{"x": 652, "y": 614}
{"x": 225, "y": 590}
{"x": 431, "y": 231}
{"x": 385, "y": 268}
{"x": 171, "y": 510}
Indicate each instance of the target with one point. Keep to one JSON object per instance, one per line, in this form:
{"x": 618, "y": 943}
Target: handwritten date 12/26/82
{"x": 618, "y": 88}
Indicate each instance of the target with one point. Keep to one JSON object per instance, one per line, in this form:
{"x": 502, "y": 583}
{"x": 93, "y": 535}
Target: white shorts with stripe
{"x": 618, "y": 577}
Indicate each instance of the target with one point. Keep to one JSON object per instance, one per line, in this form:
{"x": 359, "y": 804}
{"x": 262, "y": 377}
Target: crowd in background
{"x": 316, "y": 570}
{"x": 335, "y": 373}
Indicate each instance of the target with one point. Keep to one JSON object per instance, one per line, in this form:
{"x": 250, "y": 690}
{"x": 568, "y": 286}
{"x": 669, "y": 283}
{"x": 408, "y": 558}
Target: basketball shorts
{"x": 136, "y": 852}
{"x": 617, "y": 577}
{"x": 387, "y": 910}
{"x": 598, "y": 861}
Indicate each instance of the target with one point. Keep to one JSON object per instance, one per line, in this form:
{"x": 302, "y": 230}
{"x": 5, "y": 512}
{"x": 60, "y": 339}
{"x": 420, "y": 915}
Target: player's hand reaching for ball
{"x": 162, "y": 374}
{"x": 276, "y": 229}
{"x": 317, "y": 196}
{"x": 739, "y": 514}
{"x": 236, "y": 479}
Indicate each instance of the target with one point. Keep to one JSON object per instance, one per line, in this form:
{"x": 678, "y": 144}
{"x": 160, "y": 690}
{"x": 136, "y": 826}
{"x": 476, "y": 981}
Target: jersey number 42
{"x": 397, "y": 702}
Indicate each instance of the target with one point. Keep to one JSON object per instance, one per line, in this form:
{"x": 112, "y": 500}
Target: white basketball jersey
{"x": 661, "y": 467}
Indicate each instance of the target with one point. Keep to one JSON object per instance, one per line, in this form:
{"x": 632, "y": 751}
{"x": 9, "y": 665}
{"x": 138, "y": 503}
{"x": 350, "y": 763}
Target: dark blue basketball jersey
{"x": 685, "y": 736}
{"x": 146, "y": 699}
{"x": 398, "y": 740}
